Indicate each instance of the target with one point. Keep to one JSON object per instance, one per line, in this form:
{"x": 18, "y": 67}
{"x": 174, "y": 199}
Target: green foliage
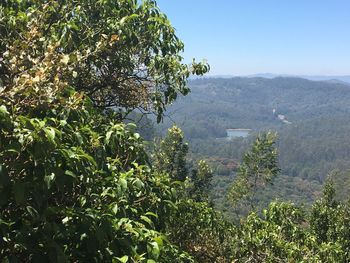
{"x": 315, "y": 144}
{"x": 330, "y": 222}
{"x": 145, "y": 125}
{"x": 273, "y": 238}
{"x": 286, "y": 233}
{"x": 170, "y": 155}
{"x": 258, "y": 168}
{"x": 201, "y": 182}
{"x": 75, "y": 186}
{"x": 121, "y": 53}
{"x": 75, "y": 183}
{"x": 201, "y": 231}
{"x": 194, "y": 225}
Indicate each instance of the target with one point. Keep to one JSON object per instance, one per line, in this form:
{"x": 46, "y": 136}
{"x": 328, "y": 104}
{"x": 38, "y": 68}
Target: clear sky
{"x": 242, "y": 37}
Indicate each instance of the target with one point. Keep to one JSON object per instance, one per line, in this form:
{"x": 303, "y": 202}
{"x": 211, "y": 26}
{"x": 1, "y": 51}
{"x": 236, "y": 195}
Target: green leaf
{"x": 70, "y": 173}
{"x": 50, "y": 133}
{"x": 49, "y": 179}
{"x": 108, "y": 136}
{"x": 147, "y": 220}
{"x": 79, "y": 138}
{"x": 123, "y": 183}
{"x": 159, "y": 240}
{"x": 154, "y": 249}
{"x": 32, "y": 211}
{"x": 123, "y": 259}
{"x": 115, "y": 209}
{"x": 82, "y": 200}
{"x": 151, "y": 214}
{"x": 3, "y": 111}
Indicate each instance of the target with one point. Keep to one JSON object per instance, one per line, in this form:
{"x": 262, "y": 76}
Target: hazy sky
{"x": 240, "y": 37}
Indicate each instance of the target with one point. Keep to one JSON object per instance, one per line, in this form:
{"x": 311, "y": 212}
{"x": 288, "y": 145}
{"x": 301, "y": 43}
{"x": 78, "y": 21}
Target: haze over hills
{"x": 249, "y": 103}
{"x": 315, "y": 143}
{"x": 345, "y": 79}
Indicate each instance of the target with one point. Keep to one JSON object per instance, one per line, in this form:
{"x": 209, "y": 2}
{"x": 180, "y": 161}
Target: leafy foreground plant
{"x": 75, "y": 186}
{"x": 286, "y": 233}
{"x": 122, "y": 54}
{"x": 195, "y": 226}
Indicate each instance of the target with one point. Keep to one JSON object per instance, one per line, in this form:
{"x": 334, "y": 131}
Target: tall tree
{"x": 259, "y": 167}
{"x": 170, "y": 154}
{"x": 75, "y": 184}
{"x": 201, "y": 182}
{"x": 122, "y": 54}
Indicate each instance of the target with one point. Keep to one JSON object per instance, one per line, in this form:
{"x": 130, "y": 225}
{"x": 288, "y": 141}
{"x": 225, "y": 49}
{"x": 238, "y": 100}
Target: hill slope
{"x": 314, "y": 144}
{"x": 217, "y": 104}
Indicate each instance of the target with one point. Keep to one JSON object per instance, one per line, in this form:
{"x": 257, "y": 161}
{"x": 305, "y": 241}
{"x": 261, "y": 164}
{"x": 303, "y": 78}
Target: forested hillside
{"x": 217, "y": 104}
{"x": 311, "y": 146}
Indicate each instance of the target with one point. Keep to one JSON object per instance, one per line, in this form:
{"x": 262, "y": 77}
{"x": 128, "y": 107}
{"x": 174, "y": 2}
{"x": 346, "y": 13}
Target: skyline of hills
{"x": 342, "y": 79}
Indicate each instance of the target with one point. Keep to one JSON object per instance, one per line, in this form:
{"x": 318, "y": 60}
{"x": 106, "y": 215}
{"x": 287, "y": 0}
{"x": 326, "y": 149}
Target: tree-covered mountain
{"x": 311, "y": 146}
{"x": 344, "y": 79}
{"x": 217, "y": 104}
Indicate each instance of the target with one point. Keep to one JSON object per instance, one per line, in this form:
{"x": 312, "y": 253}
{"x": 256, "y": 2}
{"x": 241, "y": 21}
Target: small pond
{"x": 234, "y": 133}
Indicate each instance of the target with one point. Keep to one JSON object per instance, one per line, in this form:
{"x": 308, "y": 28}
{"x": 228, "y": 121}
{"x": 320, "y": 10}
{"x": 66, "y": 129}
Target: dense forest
{"x": 217, "y": 104}
{"x": 85, "y": 178}
{"x": 312, "y": 145}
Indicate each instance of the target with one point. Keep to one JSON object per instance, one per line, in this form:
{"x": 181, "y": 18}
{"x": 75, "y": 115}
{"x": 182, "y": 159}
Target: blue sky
{"x": 242, "y": 37}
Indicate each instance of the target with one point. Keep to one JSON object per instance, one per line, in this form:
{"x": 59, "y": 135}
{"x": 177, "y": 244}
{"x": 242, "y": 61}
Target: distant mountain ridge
{"x": 345, "y": 79}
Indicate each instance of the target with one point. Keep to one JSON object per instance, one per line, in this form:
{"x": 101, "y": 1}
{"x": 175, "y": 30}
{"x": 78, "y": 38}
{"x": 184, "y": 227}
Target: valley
{"x": 311, "y": 118}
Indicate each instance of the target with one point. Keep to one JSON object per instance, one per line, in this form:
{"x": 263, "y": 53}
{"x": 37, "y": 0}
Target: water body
{"x": 235, "y": 133}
